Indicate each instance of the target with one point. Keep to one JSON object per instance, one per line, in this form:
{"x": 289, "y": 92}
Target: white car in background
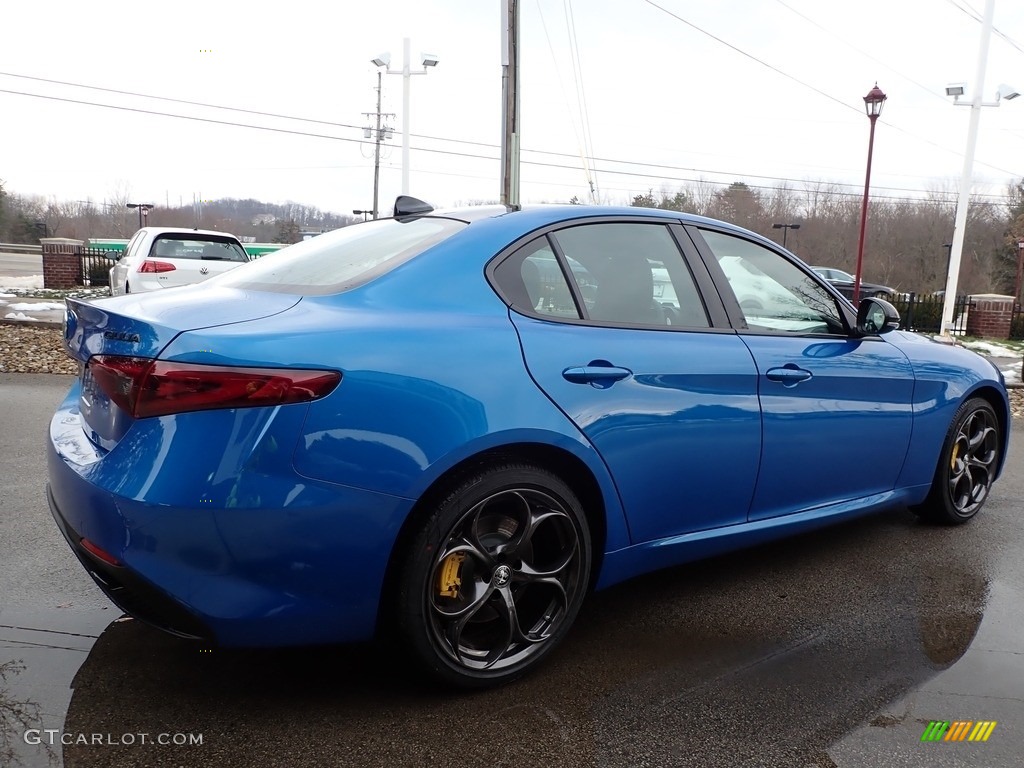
{"x": 166, "y": 257}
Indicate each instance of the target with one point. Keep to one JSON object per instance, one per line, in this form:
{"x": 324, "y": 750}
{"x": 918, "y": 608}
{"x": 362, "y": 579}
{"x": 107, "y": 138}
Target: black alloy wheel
{"x": 496, "y": 576}
{"x": 967, "y": 467}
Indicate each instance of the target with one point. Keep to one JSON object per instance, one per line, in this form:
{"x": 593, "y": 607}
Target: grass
{"x": 1014, "y": 345}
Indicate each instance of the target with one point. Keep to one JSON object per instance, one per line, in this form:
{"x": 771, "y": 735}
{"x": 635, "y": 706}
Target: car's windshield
{"x": 342, "y": 259}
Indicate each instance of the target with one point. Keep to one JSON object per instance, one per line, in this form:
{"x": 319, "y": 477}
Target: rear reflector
{"x": 100, "y": 554}
{"x": 145, "y": 387}
{"x": 148, "y": 265}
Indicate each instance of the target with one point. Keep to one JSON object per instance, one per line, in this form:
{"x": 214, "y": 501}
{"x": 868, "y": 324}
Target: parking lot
{"x": 833, "y": 649}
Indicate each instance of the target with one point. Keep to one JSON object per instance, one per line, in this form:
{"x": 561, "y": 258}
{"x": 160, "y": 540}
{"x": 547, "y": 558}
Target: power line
{"x": 807, "y": 85}
{"x": 182, "y": 117}
{"x": 972, "y": 14}
{"x": 461, "y": 154}
{"x": 862, "y": 52}
{"x": 581, "y": 95}
{"x": 584, "y": 160}
{"x": 179, "y": 101}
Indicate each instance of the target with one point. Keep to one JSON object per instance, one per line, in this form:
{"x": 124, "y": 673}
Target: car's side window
{"x": 533, "y": 280}
{"x": 774, "y": 294}
{"x": 632, "y": 274}
{"x": 133, "y": 244}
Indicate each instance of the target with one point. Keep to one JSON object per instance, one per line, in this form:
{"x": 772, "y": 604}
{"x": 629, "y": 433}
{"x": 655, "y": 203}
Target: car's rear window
{"x": 186, "y": 246}
{"x": 342, "y": 259}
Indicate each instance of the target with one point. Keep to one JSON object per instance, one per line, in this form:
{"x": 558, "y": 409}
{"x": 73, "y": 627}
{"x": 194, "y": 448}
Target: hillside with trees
{"x": 26, "y": 218}
{"x": 905, "y": 245}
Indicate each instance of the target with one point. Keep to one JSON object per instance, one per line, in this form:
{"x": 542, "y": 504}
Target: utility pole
{"x": 510, "y": 103}
{"x": 379, "y": 134}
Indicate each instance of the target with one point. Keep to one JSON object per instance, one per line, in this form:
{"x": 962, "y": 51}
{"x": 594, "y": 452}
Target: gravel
{"x": 30, "y": 349}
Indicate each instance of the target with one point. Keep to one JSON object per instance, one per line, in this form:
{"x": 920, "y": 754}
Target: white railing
{"x": 20, "y": 248}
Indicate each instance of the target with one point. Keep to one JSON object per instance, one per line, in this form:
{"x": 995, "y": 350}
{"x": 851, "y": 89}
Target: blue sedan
{"x": 448, "y": 427}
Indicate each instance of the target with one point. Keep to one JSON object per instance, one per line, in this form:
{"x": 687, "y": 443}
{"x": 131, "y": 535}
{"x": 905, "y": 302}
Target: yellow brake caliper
{"x": 450, "y": 575}
{"x": 952, "y": 460}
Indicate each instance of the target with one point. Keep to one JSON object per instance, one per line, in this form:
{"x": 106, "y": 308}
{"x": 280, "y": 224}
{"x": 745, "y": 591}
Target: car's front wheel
{"x": 495, "y": 576}
{"x": 967, "y": 465}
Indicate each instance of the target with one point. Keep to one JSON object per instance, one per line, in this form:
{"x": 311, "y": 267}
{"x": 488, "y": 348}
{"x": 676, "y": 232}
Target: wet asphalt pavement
{"x": 832, "y": 649}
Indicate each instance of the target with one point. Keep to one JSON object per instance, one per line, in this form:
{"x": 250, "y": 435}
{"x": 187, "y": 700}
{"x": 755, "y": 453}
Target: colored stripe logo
{"x": 958, "y": 730}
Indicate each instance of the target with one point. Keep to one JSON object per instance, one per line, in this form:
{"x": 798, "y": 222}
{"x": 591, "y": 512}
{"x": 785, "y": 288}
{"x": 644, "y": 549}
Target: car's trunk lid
{"x": 142, "y": 326}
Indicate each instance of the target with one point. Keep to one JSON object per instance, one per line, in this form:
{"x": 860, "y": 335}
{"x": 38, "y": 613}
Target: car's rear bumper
{"x": 278, "y": 560}
{"x": 130, "y": 592}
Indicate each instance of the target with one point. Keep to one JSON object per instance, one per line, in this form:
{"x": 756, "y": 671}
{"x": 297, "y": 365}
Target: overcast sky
{"x": 778, "y": 95}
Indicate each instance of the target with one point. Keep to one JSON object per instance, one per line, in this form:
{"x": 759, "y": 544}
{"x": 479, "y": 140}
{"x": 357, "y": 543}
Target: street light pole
{"x": 426, "y": 60}
{"x": 873, "y": 105}
{"x": 1020, "y": 270}
{"x": 363, "y": 213}
{"x": 785, "y": 230}
{"x": 964, "y": 199}
{"x": 144, "y": 209}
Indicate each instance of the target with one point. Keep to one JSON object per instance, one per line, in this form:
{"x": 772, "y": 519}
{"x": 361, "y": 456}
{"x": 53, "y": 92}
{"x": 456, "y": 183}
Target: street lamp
{"x": 956, "y": 90}
{"x": 144, "y": 209}
{"x": 873, "y": 106}
{"x": 384, "y": 61}
{"x": 364, "y": 213}
{"x": 785, "y": 230}
{"x": 1020, "y": 270}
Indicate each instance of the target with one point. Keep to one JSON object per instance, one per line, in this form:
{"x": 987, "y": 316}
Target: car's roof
{"x": 186, "y": 231}
{"x": 539, "y": 215}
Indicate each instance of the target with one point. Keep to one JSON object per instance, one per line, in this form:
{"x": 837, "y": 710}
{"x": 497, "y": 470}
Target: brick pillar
{"x": 62, "y": 262}
{"x": 990, "y": 316}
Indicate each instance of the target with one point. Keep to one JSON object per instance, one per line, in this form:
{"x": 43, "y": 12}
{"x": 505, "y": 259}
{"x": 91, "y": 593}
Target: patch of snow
{"x": 20, "y": 316}
{"x": 992, "y": 350}
{"x": 1011, "y": 374}
{"x": 35, "y": 306}
{"x": 6, "y": 295}
{"x": 30, "y": 281}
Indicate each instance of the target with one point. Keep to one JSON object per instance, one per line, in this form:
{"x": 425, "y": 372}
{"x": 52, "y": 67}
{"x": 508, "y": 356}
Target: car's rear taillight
{"x": 145, "y": 387}
{"x": 148, "y": 265}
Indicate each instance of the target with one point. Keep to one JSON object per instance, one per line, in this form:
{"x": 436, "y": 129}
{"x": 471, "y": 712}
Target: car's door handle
{"x": 595, "y": 374}
{"x": 789, "y": 375}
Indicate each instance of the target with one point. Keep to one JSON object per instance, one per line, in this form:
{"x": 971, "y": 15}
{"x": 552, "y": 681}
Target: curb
{"x": 33, "y": 323}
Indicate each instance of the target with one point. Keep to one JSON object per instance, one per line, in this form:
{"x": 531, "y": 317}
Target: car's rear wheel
{"x": 967, "y": 465}
{"x": 495, "y": 576}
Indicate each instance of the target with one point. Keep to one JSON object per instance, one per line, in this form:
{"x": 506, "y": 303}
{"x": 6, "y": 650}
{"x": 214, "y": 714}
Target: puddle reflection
{"x": 761, "y": 658}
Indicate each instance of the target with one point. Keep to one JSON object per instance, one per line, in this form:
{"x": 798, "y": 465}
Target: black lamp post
{"x": 1020, "y": 269}
{"x": 785, "y": 230}
{"x": 873, "y": 106}
{"x": 364, "y": 213}
{"x": 144, "y": 209}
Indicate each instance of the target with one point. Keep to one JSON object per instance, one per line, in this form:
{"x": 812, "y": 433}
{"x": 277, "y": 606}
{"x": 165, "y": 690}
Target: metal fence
{"x": 1017, "y": 323}
{"x": 96, "y": 264}
{"x": 923, "y": 312}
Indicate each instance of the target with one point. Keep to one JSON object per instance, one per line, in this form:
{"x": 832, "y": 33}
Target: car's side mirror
{"x": 876, "y": 316}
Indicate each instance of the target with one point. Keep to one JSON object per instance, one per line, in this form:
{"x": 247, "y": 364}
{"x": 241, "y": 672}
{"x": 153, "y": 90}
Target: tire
{"x": 494, "y": 577}
{"x": 967, "y": 466}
